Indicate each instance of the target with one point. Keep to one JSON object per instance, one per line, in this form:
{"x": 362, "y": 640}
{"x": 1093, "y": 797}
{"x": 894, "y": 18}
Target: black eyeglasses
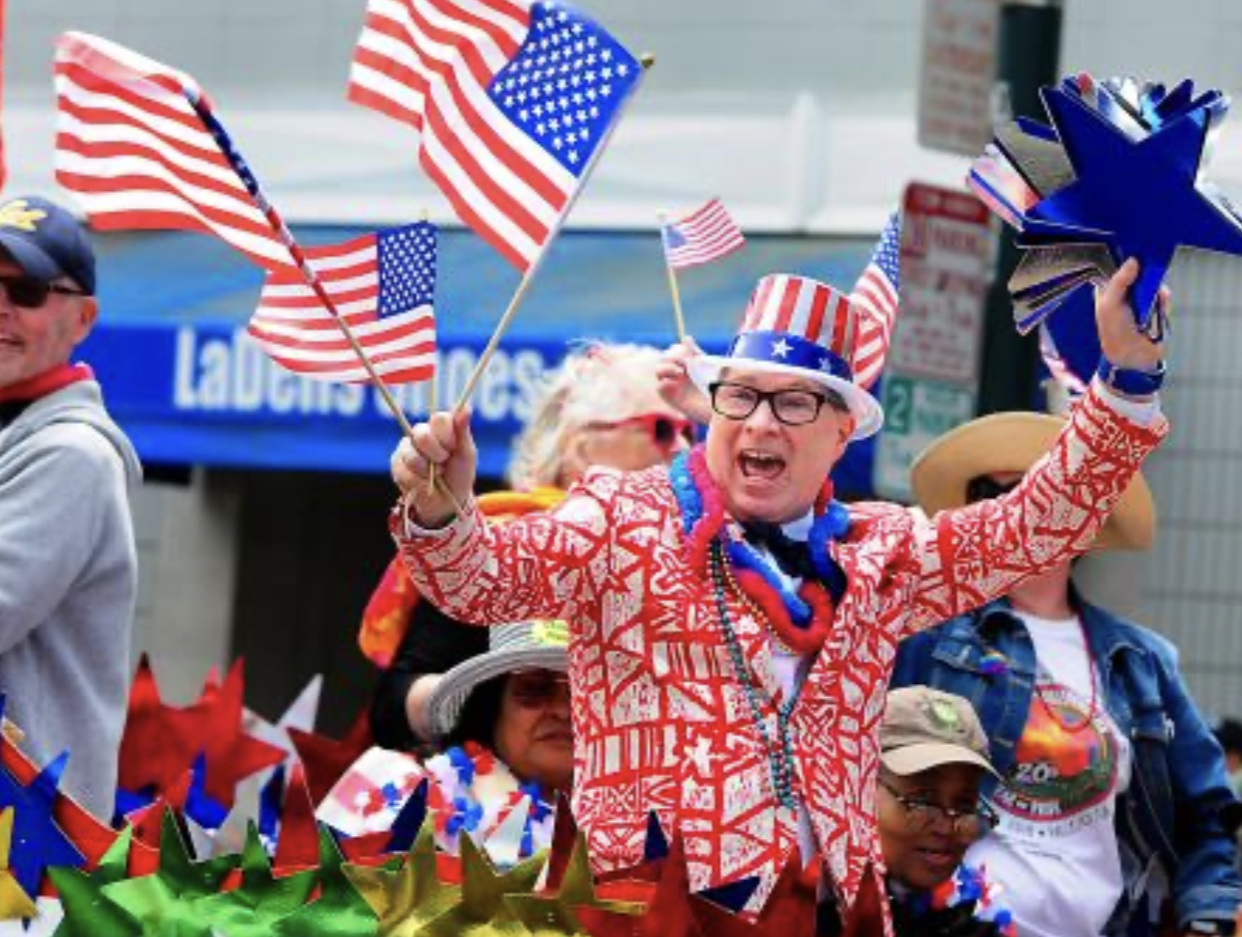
{"x": 985, "y": 488}
{"x": 31, "y": 292}
{"x": 922, "y": 814}
{"x": 792, "y": 407}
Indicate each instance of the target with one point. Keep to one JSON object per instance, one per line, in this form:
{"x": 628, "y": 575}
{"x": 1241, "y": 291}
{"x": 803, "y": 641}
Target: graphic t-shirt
{"x": 1055, "y": 850}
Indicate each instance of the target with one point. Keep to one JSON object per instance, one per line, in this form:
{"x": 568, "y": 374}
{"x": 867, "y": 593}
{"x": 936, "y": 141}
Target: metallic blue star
{"x": 38, "y": 841}
{"x": 1139, "y": 198}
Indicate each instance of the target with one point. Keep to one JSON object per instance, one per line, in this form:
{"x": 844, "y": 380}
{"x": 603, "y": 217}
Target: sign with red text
{"x": 957, "y": 75}
{"x": 946, "y": 244}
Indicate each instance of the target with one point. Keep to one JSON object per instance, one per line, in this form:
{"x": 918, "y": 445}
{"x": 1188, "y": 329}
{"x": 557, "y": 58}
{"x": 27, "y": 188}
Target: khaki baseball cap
{"x": 924, "y": 728}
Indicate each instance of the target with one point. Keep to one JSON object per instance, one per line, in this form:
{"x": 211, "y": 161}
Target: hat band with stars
{"x": 791, "y": 350}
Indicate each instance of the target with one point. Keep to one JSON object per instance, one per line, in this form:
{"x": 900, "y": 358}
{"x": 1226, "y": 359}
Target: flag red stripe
{"x": 494, "y": 143}
{"x": 348, "y": 362}
{"x": 420, "y": 326}
{"x": 467, "y": 214}
{"x": 385, "y": 105}
{"x": 96, "y": 84}
{"x": 90, "y": 149}
{"x": 135, "y": 183}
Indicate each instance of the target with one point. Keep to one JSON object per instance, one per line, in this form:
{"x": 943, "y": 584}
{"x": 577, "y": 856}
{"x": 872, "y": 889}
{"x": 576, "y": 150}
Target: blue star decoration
{"x": 38, "y": 842}
{"x": 1142, "y": 198}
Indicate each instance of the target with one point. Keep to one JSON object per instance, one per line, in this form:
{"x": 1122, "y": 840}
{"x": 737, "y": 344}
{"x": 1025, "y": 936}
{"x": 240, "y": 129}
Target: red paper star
{"x": 788, "y": 912}
{"x": 161, "y": 742}
{"x": 326, "y": 759}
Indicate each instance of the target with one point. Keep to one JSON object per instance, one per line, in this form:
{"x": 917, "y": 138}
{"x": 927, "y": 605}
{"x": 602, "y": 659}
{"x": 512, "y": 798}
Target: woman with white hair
{"x": 601, "y": 407}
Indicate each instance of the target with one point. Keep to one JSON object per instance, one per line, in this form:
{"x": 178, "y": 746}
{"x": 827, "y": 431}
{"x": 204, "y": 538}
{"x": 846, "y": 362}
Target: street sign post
{"x": 931, "y": 377}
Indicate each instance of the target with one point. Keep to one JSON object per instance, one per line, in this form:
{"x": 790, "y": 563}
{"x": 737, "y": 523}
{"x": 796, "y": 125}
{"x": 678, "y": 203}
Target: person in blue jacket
{"x": 1115, "y": 810}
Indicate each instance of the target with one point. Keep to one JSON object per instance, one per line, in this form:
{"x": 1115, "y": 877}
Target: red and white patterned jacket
{"x": 661, "y": 723}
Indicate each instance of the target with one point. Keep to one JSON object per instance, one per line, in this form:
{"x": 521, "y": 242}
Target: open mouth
{"x": 941, "y": 859}
{"x": 762, "y": 465}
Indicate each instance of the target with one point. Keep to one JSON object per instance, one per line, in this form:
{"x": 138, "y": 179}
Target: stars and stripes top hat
{"x": 799, "y": 326}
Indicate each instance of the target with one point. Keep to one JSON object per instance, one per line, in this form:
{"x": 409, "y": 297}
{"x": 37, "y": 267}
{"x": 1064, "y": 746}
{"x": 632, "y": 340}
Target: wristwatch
{"x": 1131, "y": 381}
{"x": 1222, "y": 928}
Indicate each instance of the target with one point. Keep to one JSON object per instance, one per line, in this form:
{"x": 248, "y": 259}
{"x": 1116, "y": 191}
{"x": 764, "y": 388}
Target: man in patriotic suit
{"x": 725, "y": 676}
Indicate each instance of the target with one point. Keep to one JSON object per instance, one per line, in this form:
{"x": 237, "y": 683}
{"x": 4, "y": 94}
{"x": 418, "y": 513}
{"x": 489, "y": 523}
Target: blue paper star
{"x": 38, "y": 842}
{"x": 1139, "y": 198}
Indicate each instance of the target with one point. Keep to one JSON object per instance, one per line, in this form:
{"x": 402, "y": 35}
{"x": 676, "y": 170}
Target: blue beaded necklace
{"x": 780, "y": 761}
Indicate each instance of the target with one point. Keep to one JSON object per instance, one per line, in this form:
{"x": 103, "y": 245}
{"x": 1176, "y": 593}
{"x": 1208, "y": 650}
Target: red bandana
{"x": 48, "y": 382}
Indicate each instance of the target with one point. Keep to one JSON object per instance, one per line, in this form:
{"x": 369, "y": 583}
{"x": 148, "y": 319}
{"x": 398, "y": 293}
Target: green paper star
{"x": 339, "y": 911}
{"x": 553, "y": 916}
{"x": 163, "y": 903}
{"x": 261, "y": 900}
{"x": 482, "y": 911}
{"x": 87, "y": 912}
{"x": 413, "y": 895}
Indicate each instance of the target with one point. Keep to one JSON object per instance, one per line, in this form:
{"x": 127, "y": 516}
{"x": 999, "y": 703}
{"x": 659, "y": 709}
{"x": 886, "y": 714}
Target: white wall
{"x": 798, "y": 112}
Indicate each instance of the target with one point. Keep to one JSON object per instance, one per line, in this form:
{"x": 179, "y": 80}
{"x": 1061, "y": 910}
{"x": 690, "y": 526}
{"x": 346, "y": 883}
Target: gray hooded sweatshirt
{"x": 68, "y": 578}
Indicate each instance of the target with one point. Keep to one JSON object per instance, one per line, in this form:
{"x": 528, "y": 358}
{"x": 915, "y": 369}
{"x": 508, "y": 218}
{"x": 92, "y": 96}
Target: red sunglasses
{"x": 663, "y": 429}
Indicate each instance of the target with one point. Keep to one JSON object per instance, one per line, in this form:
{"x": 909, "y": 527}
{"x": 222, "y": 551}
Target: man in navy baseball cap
{"x": 68, "y": 567}
{"x": 47, "y": 242}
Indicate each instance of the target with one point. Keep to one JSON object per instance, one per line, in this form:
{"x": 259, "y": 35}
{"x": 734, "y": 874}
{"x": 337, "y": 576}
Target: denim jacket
{"x": 1171, "y": 820}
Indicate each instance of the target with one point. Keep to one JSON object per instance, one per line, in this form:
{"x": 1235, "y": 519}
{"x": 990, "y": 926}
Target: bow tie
{"x": 792, "y": 556}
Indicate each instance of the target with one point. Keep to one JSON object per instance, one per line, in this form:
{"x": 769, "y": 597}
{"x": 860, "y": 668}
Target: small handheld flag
{"x": 876, "y": 296}
{"x": 701, "y": 237}
{"x": 382, "y": 284}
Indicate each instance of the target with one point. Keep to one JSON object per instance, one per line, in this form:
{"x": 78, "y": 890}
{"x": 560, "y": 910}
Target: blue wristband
{"x": 1131, "y": 382}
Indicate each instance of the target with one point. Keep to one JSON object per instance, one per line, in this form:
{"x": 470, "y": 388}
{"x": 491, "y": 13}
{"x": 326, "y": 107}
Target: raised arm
{"x": 540, "y": 566}
{"x": 968, "y": 556}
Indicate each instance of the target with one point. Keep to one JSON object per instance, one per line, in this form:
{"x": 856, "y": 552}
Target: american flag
{"x": 701, "y": 237}
{"x": 382, "y": 284}
{"x": 512, "y": 100}
{"x": 130, "y": 144}
{"x": 876, "y": 297}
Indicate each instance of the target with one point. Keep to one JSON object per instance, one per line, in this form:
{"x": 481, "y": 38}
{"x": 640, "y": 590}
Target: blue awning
{"x": 190, "y": 388}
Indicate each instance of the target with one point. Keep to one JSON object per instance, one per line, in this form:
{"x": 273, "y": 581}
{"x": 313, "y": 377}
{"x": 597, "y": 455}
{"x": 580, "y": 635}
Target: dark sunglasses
{"x": 664, "y": 430}
{"x": 533, "y": 689}
{"x": 985, "y": 488}
{"x": 31, "y": 293}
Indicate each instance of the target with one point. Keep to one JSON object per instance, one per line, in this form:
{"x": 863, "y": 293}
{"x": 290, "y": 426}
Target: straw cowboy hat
{"x": 797, "y": 326}
{"x": 1013, "y": 442}
{"x": 525, "y": 645}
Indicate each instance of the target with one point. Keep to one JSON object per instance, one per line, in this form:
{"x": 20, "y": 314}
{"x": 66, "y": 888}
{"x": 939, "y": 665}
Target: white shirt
{"x": 1055, "y": 852}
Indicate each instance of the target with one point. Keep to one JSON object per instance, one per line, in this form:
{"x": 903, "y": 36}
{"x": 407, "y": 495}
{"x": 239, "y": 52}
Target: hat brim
{"x": 923, "y": 756}
{"x": 705, "y": 370}
{"x": 1013, "y": 442}
{"x": 445, "y": 703}
{"x": 31, "y": 259}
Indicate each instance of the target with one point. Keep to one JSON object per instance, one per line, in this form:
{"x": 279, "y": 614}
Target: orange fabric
{"x": 387, "y": 616}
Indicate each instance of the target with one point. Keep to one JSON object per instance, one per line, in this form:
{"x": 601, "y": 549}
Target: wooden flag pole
{"x": 248, "y": 178}
{"x": 646, "y": 60}
{"x": 680, "y": 317}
